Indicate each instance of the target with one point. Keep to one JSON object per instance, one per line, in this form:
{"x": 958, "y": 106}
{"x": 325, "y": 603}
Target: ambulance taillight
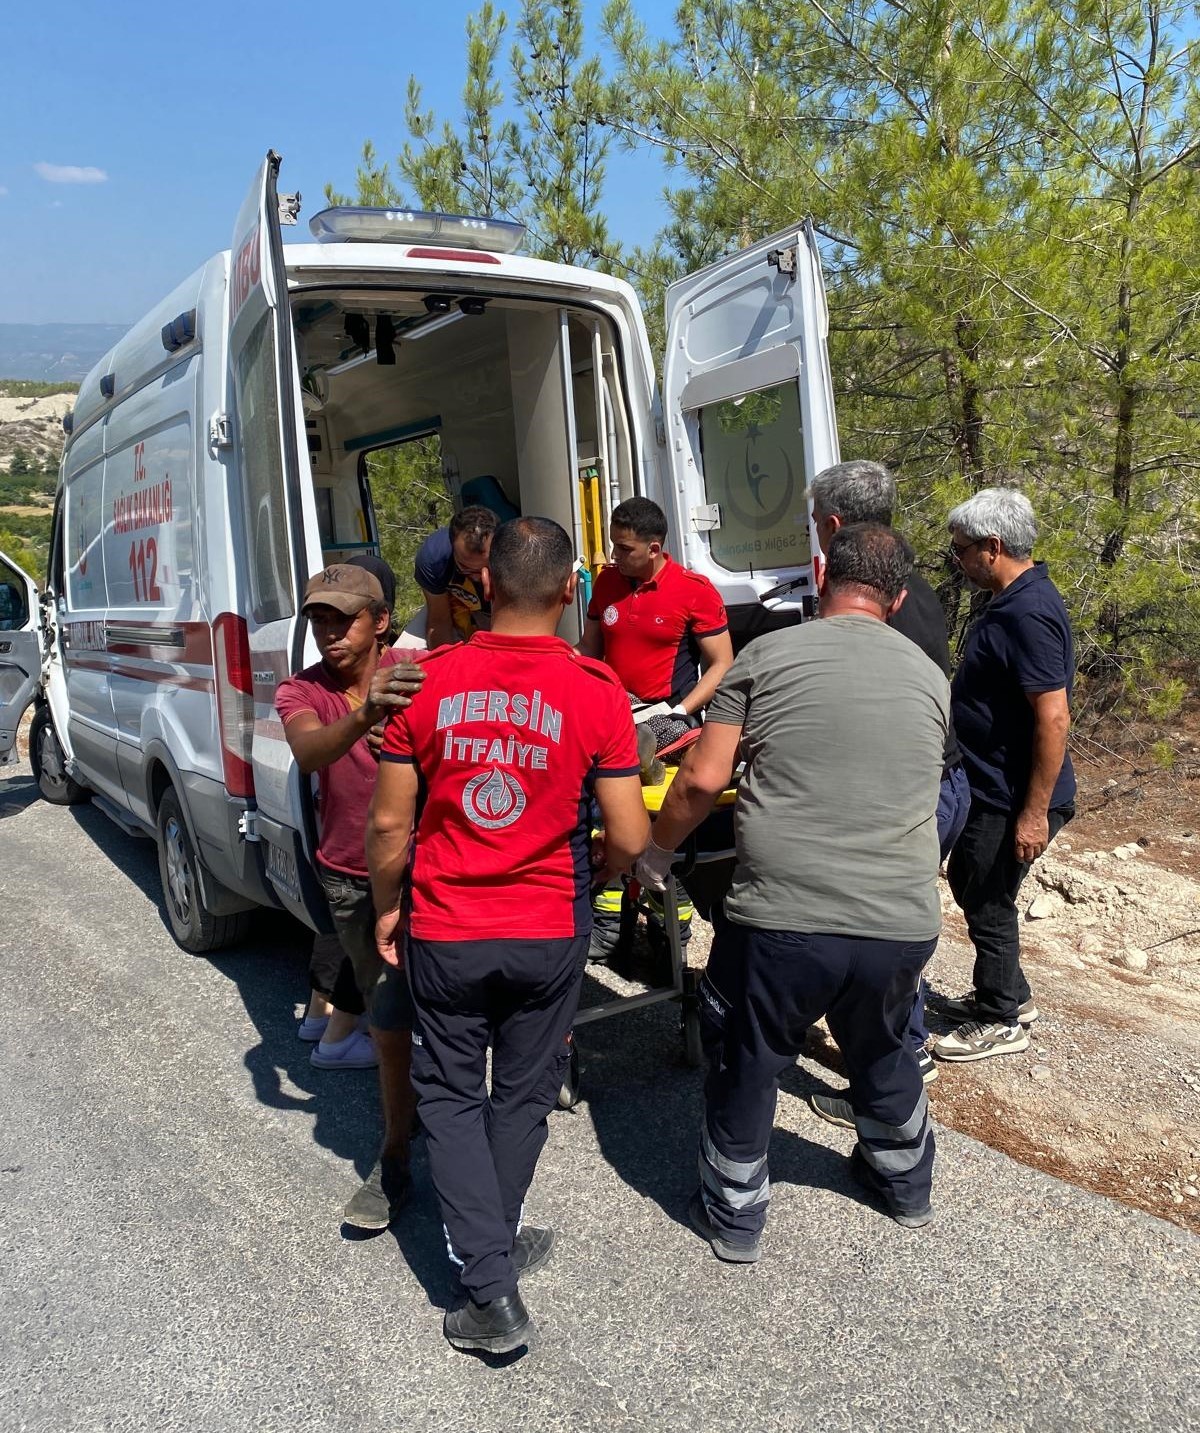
{"x": 235, "y": 702}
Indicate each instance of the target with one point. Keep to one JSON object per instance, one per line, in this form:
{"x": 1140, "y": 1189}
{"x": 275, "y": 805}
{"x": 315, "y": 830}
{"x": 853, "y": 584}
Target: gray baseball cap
{"x": 347, "y": 589}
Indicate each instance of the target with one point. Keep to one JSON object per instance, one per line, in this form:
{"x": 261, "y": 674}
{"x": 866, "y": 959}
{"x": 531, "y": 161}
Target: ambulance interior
{"x": 482, "y": 384}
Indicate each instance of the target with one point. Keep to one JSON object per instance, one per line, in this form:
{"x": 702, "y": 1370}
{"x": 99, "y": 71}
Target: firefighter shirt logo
{"x": 610, "y": 616}
{"x": 493, "y": 799}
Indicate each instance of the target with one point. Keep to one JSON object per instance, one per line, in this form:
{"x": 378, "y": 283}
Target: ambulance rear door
{"x": 278, "y": 545}
{"x": 748, "y": 402}
{"x": 20, "y": 651}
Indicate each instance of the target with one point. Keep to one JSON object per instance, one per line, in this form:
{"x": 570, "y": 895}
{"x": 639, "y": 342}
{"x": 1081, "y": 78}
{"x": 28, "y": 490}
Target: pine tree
{"x": 532, "y": 149}
{"x": 1007, "y": 196}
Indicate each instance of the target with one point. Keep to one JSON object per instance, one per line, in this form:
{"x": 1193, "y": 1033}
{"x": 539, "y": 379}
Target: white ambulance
{"x": 222, "y": 452}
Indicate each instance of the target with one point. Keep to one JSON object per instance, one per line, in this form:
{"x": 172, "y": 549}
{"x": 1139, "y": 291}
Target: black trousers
{"x": 330, "y": 974}
{"x": 985, "y": 876}
{"x": 521, "y": 997}
{"x": 760, "y": 993}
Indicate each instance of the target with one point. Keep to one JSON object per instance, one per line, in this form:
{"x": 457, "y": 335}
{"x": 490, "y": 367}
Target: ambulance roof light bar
{"x": 359, "y": 225}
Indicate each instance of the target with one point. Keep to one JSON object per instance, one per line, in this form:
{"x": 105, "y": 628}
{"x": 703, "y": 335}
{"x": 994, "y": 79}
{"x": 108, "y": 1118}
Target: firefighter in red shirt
{"x": 650, "y": 620}
{"x": 514, "y": 736}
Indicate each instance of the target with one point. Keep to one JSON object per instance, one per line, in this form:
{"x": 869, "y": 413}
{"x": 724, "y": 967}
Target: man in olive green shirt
{"x": 834, "y": 907}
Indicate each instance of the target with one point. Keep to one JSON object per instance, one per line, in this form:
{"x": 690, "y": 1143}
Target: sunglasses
{"x": 957, "y": 553}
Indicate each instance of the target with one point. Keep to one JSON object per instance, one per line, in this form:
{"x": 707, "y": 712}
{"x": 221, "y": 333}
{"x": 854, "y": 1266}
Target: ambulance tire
{"x": 568, "y": 1095}
{"x": 194, "y": 927}
{"x": 49, "y": 765}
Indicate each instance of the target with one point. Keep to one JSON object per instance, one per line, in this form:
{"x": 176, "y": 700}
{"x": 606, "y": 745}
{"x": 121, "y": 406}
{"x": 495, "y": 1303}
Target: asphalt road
{"x": 172, "y": 1172}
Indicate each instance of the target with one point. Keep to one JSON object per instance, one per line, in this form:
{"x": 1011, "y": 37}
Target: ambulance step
{"x": 124, "y": 819}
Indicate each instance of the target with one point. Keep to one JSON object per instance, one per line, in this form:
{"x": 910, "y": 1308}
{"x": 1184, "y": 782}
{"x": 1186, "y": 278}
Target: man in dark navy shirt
{"x": 1011, "y": 701}
{"x": 863, "y": 491}
{"x": 449, "y": 571}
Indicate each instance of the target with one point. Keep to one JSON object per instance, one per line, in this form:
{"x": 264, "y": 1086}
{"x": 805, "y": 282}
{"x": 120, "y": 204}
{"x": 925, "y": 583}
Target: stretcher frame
{"x": 684, "y": 981}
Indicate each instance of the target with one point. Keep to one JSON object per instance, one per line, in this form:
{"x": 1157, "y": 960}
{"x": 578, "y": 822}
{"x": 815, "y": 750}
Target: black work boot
{"x": 531, "y": 1248}
{"x": 382, "y": 1196}
{"x": 496, "y": 1327}
{"x": 866, "y": 1178}
{"x": 725, "y": 1249}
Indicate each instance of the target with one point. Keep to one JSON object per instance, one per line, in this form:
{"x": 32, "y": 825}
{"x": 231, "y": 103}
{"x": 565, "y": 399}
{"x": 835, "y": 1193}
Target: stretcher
{"x": 703, "y": 868}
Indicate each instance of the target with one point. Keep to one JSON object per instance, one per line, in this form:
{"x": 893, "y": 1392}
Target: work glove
{"x": 654, "y": 866}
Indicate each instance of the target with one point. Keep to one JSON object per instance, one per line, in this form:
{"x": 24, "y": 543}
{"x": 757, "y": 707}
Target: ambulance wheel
{"x": 568, "y": 1095}
{"x": 194, "y": 927}
{"x": 50, "y": 766}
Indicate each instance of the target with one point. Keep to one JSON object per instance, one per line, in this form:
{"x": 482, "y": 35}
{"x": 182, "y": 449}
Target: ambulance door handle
{"x": 220, "y": 434}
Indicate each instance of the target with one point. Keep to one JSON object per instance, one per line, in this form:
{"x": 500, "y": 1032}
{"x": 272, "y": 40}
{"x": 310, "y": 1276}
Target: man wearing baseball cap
{"x": 327, "y": 710}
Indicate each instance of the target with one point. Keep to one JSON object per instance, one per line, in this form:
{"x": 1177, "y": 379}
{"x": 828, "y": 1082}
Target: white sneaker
{"x": 356, "y": 1052}
{"x": 976, "y": 1041}
{"x": 965, "y": 1008}
{"x": 312, "y": 1027}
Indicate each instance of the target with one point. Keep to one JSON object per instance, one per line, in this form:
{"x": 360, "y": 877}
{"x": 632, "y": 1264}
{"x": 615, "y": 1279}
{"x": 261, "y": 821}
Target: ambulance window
{"x": 753, "y": 453}
{"x": 261, "y": 465}
{"x": 325, "y": 523}
{"x": 84, "y": 540}
{"x": 408, "y": 493}
{"x": 14, "y": 609}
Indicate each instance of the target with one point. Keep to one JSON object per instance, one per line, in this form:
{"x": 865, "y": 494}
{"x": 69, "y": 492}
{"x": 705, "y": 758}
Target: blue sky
{"x": 130, "y": 132}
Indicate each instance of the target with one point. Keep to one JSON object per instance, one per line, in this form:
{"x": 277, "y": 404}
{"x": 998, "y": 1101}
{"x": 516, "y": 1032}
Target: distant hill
{"x": 54, "y": 351}
{"x": 31, "y": 429}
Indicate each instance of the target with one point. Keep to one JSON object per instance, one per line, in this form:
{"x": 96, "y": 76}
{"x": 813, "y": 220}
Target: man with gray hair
{"x": 1011, "y": 700}
{"x": 864, "y": 491}
{"x": 834, "y": 907}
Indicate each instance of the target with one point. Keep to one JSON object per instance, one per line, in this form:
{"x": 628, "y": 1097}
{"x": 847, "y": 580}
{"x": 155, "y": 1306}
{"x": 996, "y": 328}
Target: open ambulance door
{"x": 748, "y": 401}
{"x": 20, "y": 652}
{"x": 278, "y": 546}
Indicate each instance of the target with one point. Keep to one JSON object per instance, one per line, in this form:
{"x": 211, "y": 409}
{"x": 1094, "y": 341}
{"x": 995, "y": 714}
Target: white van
{"x": 222, "y": 452}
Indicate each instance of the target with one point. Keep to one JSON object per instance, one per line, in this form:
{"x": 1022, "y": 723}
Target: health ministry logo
{"x": 764, "y": 481}
{"x": 493, "y": 799}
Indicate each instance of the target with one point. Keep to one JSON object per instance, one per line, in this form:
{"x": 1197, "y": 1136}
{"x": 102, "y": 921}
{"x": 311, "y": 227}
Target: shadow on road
{"x": 644, "y": 1103}
{"x": 270, "y": 971}
{"x": 17, "y": 795}
{"x": 646, "y": 1107}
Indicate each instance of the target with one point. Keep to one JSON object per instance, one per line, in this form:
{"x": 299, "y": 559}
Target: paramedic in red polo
{"x": 651, "y": 619}
{"x": 513, "y": 736}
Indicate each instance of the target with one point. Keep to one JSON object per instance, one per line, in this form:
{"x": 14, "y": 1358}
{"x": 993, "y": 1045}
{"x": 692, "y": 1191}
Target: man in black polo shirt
{"x": 1011, "y": 703}
{"x": 862, "y": 491}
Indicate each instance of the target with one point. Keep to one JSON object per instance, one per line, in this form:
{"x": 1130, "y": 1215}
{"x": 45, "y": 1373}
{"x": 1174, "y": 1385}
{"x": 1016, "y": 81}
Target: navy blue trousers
{"x": 985, "y": 877}
{"x": 760, "y": 993}
{"x": 521, "y": 997}
{"x": 954, "y": 805}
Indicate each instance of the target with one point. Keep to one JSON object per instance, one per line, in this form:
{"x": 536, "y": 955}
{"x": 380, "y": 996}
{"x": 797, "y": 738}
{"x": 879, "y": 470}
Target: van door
{"x": 20, "y": 651}
{"x": 748, "y": 398}
{"x": 278, "y": 544}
